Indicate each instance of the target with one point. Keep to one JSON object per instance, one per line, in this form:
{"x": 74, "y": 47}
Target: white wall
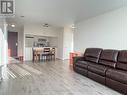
{"x": 105, "y": 31}
{"x": 60, "y": 45}
{"x": 3, "y": 42}
{"x": 67, "y": 41}
{"x": 21, "y": 42}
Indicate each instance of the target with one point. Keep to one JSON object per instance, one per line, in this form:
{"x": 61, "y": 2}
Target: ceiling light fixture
{"x": 12, "y": 25}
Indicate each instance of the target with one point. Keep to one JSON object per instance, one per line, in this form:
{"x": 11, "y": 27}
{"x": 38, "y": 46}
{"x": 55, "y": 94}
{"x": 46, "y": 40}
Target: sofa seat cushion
{"x": 121, "y": 66}
{"x": 98, "y": 69}
{"x": 117, "y": 75}
{"x": 82, "y": 64}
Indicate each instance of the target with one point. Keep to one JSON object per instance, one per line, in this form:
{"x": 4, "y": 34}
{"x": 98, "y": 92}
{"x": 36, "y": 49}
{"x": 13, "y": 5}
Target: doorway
{"x": 13, "y": 44}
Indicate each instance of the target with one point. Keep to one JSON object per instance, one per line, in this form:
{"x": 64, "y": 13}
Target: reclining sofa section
{"x": 108, "y": 67}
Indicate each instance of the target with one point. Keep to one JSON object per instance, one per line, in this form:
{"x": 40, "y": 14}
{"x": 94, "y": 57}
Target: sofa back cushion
{"x": 92, "y": 54}
{"x": 109, "y": 58}
{"x": 122, "y": 60}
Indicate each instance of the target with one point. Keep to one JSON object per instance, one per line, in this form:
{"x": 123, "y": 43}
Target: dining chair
{"x": 46, "y": 54}
{"x": 52, "y": 54}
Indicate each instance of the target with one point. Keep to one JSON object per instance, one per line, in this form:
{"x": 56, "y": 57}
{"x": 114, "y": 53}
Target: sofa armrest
{"x": 77, "y": 58}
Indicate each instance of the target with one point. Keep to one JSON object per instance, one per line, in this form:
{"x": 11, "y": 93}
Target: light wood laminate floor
{"x": 48, "y": 78}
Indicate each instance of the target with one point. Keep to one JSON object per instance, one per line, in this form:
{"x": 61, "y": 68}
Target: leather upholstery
{"x": 108, "y": 67}
{"x": 118, "y": 86}
{"x": 109, "y": 58}
{"x": 76, "y": 59}
{"x": 81, "y": 70}
{"x": 92, "y": 54}
{"x": 122, "y": 60}
{"x": 82, "y": 64}
{"x": 98, "y": 69}
{"x": 96, "y": 77}
{"x": 121, "y": 66}
{"x": 122, "y": 56}
{"x": 117, "y": 75}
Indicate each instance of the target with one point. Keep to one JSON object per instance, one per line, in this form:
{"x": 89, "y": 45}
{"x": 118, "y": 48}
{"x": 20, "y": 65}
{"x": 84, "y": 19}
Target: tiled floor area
{"x": 48, "y": 78}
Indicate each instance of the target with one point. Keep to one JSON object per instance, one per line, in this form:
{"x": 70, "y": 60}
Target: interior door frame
{"x": 9, "y": 51}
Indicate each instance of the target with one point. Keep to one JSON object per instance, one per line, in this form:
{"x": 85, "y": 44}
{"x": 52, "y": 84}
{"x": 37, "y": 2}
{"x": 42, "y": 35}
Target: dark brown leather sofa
{"x": 108, "y": 67}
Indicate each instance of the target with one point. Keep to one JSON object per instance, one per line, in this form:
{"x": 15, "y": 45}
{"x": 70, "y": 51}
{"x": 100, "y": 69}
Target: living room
{"x": 70, "y": 47}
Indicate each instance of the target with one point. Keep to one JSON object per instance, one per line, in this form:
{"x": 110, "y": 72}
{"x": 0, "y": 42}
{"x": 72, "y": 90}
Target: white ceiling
{"x": 62, "y": 12}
